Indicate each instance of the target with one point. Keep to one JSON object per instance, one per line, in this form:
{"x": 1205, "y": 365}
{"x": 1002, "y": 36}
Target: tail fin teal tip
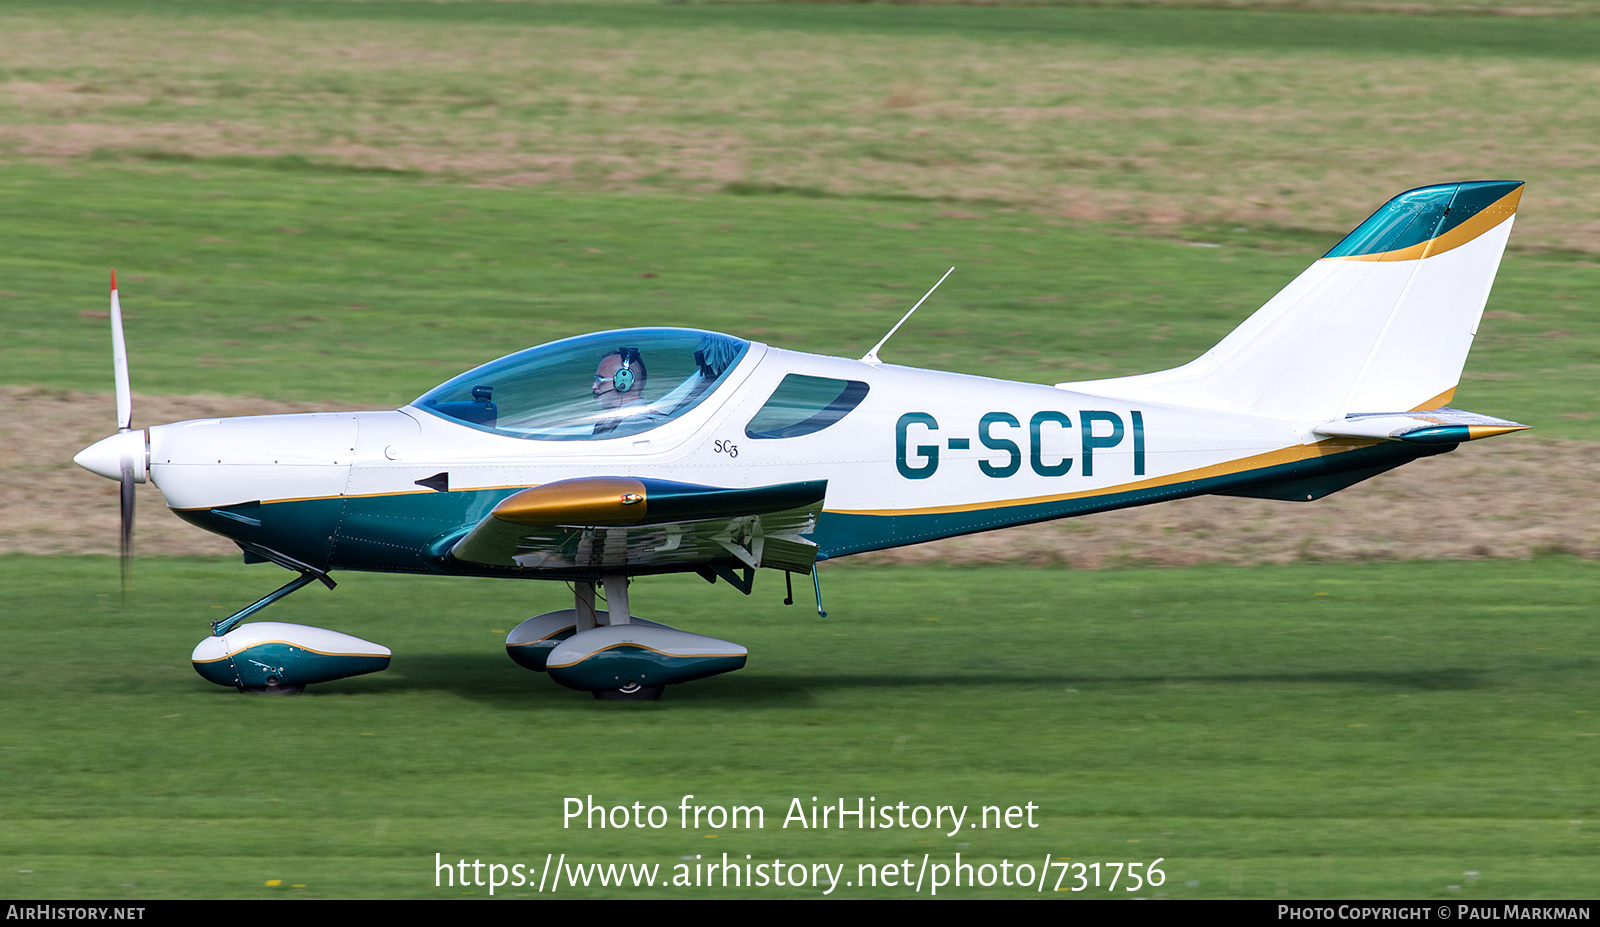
{"x": 1410, "y": 221}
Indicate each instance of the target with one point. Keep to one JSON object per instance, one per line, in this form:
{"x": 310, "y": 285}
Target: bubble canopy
{"x": 592, "y": 387}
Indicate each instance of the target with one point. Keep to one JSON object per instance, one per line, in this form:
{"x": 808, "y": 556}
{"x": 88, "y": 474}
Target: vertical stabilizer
{"x": 1381, "y": 322}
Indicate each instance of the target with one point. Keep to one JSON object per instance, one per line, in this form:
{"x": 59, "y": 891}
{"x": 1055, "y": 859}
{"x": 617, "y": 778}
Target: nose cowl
{"x": 213, "y": 462}
{"x": 106, "y": 456}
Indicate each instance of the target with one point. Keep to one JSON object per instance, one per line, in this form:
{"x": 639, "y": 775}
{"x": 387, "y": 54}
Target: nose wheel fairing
{"x": 278, "y": 655}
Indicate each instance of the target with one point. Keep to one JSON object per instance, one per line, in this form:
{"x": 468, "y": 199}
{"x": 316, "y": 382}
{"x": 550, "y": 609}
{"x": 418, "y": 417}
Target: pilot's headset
{"x": 626, "y": 377}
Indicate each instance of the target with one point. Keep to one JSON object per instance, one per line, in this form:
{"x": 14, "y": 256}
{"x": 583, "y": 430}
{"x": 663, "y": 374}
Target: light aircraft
{"x": 607, "y": 456}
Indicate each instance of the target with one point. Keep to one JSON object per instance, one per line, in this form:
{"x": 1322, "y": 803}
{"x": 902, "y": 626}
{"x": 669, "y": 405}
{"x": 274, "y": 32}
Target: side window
{"x": 803, "y": 405}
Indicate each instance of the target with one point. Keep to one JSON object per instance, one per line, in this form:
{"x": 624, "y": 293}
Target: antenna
{"x": 871, "y": 356}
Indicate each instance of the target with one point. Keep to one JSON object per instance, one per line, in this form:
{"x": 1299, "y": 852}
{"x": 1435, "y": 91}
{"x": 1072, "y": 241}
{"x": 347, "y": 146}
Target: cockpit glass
{"x": 606, "y": 385}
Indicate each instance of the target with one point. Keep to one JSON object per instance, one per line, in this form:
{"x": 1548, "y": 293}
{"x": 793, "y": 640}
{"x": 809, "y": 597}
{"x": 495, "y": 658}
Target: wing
{"x": 623, "y": 524}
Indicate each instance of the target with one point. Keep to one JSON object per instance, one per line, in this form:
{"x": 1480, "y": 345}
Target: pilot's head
{"x": 620, "y": 378}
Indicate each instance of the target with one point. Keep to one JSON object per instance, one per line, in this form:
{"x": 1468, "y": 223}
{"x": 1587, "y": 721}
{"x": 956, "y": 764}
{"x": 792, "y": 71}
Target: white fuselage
{"x": 921, "y": 442}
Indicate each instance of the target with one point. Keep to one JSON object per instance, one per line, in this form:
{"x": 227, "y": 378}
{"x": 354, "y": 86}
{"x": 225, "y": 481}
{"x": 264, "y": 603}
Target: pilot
{"x": 619, "y": 387}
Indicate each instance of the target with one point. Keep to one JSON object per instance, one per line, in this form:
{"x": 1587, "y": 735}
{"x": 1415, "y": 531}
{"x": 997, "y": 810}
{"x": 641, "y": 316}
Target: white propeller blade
{"x": 119, "y": 361}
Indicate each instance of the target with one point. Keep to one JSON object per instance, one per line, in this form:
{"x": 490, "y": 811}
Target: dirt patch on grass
{"x": 1512, "y": 497}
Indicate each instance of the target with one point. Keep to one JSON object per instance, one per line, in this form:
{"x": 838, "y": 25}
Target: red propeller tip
{"x": 113, "y": 279}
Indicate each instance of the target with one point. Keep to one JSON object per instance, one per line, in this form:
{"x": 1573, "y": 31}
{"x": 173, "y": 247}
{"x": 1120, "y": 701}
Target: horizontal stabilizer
{"x": 1437, "y": 426}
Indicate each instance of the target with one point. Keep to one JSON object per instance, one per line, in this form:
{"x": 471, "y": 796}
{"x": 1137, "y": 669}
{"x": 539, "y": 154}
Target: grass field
{"x": 1328, "y": 731}
{"x": 1159, "y": 117}
{"x": 343, "y": 204}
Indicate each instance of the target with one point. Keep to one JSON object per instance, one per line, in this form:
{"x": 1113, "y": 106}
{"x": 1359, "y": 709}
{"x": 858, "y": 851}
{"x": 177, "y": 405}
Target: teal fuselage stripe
{"x": 839, "y": 533}
{"x": 413, "y": 532}
{"x": 386, "y": 534}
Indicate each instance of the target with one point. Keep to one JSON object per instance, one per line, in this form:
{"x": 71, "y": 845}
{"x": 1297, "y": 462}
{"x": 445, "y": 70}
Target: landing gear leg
{"x": 306, "y": 577}
{"x": 616, "y": 598}
{"x": 583, "y": 605}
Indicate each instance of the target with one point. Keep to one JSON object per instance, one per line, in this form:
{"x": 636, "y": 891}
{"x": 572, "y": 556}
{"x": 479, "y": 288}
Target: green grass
{"x": 1152, "y": 117}
{"x": 1350, "y": 731}
{"x": 1137, "y": 27}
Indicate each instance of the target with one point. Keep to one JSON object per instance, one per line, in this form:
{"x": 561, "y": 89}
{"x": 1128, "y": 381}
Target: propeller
{"x": 119, "y": 364}
{"x": 123, "y": 456}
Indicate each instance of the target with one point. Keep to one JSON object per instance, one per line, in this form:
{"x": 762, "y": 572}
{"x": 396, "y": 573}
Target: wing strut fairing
{"x": 621, "y": 524}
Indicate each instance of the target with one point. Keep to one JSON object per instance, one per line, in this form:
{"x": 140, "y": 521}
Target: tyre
{"x": 632, "y": 692}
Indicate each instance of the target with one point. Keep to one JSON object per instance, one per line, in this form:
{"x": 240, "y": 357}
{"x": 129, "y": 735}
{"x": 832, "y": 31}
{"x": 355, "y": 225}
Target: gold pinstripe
{"x": 673, "y": 656}
{"x": 367, "y": 495}
{"x": 1258, "y": 461}
{"x": 233, "y": 653}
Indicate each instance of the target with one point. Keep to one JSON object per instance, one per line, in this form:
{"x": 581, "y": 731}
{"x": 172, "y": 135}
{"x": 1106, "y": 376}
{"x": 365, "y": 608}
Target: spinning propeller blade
{"x": 123, "y": 456}
{"x": 127, "y": 524}
{"x": 119, "y": 363}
